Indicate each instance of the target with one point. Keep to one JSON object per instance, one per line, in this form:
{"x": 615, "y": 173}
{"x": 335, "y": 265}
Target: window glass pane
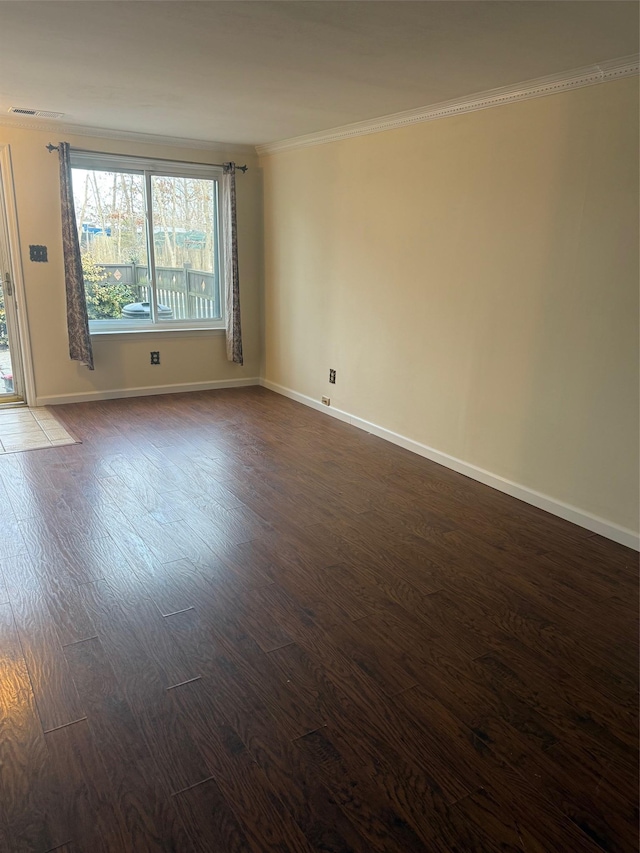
{"x": 110, "y": 215}
{"x": 186, "y": 247}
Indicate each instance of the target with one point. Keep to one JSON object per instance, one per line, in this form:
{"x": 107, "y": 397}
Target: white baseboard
{"x": 144, "y": 391}
{"x": 308, "y": 401}
{"x": 570, "y": 513}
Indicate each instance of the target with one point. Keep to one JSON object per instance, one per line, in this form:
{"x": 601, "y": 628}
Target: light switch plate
{"x": 38, "y": 254}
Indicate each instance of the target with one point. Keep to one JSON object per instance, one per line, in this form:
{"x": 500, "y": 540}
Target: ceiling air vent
{"x": 26, "y": 111}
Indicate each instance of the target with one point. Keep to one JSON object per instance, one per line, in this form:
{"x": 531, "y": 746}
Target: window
{"x": 149, "y": 237}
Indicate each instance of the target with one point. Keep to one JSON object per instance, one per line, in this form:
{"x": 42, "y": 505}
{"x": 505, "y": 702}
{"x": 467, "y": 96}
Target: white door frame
{"x": 10, "y": 211}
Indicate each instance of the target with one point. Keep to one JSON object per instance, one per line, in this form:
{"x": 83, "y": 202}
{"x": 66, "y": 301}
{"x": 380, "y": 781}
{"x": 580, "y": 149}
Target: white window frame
{"x": 147, "y": 167}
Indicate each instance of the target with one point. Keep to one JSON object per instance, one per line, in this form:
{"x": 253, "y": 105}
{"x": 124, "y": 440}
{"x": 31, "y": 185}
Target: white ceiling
{"x": 256, "y": 72}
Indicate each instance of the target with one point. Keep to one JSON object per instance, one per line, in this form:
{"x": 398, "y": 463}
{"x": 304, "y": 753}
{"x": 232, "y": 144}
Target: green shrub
{"x": 104, "y": 301}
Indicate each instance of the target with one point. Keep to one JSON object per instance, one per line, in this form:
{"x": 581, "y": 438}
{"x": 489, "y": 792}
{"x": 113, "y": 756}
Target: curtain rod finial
{"x": 50, "y": 148}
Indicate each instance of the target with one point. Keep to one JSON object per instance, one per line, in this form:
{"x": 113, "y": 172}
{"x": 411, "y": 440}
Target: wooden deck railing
{"x": 191, "y": 294}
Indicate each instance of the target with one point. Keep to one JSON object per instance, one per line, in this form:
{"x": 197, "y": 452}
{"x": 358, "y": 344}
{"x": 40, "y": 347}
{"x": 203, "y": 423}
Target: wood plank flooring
{"x": 229, "y": 623}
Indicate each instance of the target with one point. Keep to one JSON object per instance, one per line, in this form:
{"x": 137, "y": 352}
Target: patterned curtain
{"x": 231, "y": 277}
{"x": 77, "y": 319}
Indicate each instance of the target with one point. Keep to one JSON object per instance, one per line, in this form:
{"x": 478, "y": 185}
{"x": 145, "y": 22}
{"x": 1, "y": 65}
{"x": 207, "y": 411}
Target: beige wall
{"x": 474, "y": 282}
{"x": 122, "y": 362}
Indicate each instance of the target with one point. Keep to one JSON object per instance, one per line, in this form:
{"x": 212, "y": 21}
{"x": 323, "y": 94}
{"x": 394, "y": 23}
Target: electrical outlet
{"x": 332, "y": 377}
{"x": 155, "y": 357}
{"x": 326, "y": 401}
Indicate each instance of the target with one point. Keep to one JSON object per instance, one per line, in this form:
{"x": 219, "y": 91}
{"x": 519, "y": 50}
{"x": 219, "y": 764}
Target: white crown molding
{"x": 591, "y": 75}
{"x": 575, "y": 515}
{"x": 127, "y": 136}
{"x": 627, "y": 66}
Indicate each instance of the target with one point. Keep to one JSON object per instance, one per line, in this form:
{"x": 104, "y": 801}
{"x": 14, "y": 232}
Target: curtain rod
{"x": 50, "y": 148}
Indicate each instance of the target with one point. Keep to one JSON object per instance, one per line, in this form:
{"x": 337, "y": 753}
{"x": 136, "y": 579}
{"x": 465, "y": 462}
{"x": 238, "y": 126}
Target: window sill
{"x": 193, "y": 331}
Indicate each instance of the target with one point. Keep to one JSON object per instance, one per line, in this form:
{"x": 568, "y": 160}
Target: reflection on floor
{"x": 30, "y": 429}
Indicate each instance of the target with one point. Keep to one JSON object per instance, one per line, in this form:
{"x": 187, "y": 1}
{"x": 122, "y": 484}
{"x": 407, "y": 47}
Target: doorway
{"x": 12, "y": 317}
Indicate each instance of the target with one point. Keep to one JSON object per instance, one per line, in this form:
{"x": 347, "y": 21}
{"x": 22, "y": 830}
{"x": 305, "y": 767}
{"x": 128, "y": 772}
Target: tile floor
{"x": 22, "y": 428}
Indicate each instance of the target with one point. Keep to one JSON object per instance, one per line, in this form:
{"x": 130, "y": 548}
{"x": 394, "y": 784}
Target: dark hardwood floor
{"x": 229, "y": 623}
